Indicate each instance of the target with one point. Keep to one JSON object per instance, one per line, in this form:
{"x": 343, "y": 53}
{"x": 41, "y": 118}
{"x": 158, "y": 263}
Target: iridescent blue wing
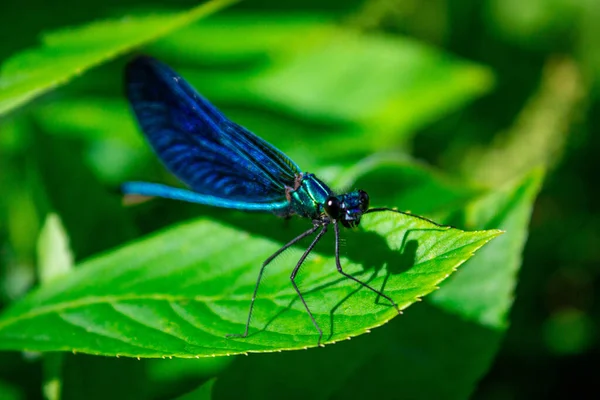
{"x": 223, "y": 163}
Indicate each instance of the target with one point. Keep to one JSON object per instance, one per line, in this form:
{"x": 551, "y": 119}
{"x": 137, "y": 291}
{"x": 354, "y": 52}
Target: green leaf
{"x": 179, "y": 292}
{"x": 202, "y": 392}
{"x": 112, "y": 144}
{"x": 387, "y": 85}
{"x": 148, "y": 378}
{"x": 483, "y": 291}
{"x": 432, "y": 352}
{"x": 10, "y": 391}
{"x": 52, "y": 370}
{"x": 54, "y": 255}
{"x": 67, "y": 53}
{"x": 539, "y": 135}
{"x": 93, "y": 119}
{"x": 239, "y": 38}
{"x": 86, "y": 377}
{"x": 72, "y": 191}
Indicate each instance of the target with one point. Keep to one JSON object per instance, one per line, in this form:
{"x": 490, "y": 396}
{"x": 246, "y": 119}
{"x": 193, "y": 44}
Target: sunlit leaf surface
{"x": 179, "y": 292}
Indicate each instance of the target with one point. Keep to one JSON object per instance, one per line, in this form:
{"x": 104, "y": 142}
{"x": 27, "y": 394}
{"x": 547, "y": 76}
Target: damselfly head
{"x": 347, "y": 208}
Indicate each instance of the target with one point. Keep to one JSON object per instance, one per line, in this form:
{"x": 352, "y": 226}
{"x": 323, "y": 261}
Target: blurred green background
{"x": 481, "y": 91}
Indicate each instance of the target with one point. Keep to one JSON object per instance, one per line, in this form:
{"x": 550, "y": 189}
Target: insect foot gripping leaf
{"x": 165, "y": 295}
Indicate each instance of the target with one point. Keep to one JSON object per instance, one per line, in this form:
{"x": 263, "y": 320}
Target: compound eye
{"x": 332, "y": 207}
{"x": 363, "y": 200}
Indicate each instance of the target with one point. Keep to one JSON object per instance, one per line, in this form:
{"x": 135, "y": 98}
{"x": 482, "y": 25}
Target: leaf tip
{"x": 495, "y": 233}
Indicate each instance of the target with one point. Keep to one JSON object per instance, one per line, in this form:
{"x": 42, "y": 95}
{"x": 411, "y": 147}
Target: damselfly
{"x": 225, "y": 165}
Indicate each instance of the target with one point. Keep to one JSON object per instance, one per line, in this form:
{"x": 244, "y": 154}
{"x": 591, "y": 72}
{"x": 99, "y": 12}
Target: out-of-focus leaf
{"x": 10, "y": 392}
{"x": 539, "y": 135}
{"x": 93, "y": 217}
{"x": 170, "y": 370}
{"x": 18, "y": 218}
{"x": 67, "y": 53}
{"x": 12, "y": 139}
{"x": 237, "y": 39}
{"x": 203, "y": 392}
{"x": 387, "y": 85}
{"x": 54, "y": 255}
{"x": 321, "y": 71}
{"x": 91, "y": 119}
{"x": 53, "y": 368}
{"x": 483, "y": 291}
{"x": 86, "y": 377}
{"x": 587, "y": 49}
{"x": 179, "y": 292}
{"x": 534, "y": 24}
{"x": 569, "y": 331}
{"x": 112, "y": 145}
